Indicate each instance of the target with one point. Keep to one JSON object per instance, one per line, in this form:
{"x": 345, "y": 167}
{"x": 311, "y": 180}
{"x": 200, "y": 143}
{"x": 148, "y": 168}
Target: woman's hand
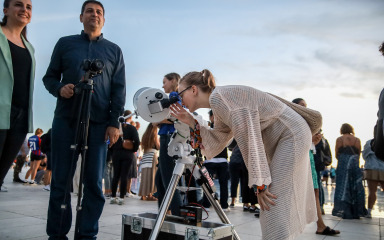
{"x": 182, "y": 115}
{"x": 265, "y": 199}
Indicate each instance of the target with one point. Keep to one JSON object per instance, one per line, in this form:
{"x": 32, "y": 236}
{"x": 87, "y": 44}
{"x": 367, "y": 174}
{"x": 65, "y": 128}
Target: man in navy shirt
{"x": 108, "y": 99}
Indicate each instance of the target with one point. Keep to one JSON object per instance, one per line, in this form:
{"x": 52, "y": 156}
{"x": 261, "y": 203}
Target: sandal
{"x": 328, "y": 231}
{"x": 152, "y": 198}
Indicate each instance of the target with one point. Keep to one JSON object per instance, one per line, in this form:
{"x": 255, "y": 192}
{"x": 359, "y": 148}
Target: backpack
{"x": 377, "y": 144}
{"x": 323, "y": 156}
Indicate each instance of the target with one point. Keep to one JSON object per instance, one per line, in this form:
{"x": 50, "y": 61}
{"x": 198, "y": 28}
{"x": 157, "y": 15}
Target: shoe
{"x": 19, "y": 181}
{"x": 232, "y": 205}
{"x": 107, "y": 196}
{"x": 120, "y": 201}
{"x": 129, "y": 195}
{"x": 47, "y": 188}
{"x": 133, "y": 193}
{"x": 114, "y": 200}
{"x": 32, "y": 183}
{"x": 3, "y": 189}
{"x": 368, "y": 215}
{"x": 257, "y": 214}
{"x": 245, "y": 208}
{"x": 328, "y": 232}
{"x": 226, "y": 209}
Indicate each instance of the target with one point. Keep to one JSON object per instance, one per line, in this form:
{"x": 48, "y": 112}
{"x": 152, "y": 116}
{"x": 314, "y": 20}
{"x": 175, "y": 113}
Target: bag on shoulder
{"x": 128, "y": 144}
{"x": 326, "y": 159}
{"x": 312, "y": 117}
{"x": 377, "y": 144}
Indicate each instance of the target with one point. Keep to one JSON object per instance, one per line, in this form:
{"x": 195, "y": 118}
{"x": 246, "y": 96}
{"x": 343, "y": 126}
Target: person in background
{"x": 332, "y": 174}
{"x": 17, "y": 74}
{"x": 218, "y": 165}
{"x": 108, "y": 100}
{"x": 122, "y": 159}
{"x": 20, "y": 160}
{"x": 239, "y": 170}
{"x": 166, "y": 162}
{"x": 373, "y": 174}
{"x": 34, "y": 143}
{"x": 349, "y": 200}
{"x": 150, "y": 144}
{"x": 322, "y": 229}
{"x": 273, "y": 139}
{"x": 46, "y": 148}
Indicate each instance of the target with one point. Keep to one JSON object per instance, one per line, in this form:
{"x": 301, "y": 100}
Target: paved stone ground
{"x": 23, "y": 214}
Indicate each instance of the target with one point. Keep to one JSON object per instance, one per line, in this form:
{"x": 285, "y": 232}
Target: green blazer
{"x": 7, "y": 82}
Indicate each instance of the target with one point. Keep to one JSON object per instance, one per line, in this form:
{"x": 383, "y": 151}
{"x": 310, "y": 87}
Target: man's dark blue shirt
{"x": 66, "y": 67}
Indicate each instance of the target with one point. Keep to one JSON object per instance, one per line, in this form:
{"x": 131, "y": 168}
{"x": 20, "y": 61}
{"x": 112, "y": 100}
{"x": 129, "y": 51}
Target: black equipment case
{"x": 139, "y": 227}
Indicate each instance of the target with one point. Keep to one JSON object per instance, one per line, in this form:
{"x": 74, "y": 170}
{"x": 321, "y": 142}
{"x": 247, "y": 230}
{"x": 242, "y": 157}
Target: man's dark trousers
{"x": 59, "y": 222}
{"x": 222, "y": 172}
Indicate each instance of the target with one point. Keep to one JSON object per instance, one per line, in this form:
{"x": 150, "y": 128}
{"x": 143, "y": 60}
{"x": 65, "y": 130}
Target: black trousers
{"x": 12, "y": 139}
{"x": 221, "y": 170}
{"x": 239, "y": 171}
{"x": 122, "y": 162}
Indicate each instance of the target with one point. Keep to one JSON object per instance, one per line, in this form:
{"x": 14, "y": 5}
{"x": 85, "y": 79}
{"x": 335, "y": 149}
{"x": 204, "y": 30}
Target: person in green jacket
{"x": 17, "y": 64}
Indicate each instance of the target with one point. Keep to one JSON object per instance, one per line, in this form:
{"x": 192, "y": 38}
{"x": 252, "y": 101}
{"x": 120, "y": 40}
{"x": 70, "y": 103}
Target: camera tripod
{"x": 181, "y": 150}
{"x": 83, "y": 95}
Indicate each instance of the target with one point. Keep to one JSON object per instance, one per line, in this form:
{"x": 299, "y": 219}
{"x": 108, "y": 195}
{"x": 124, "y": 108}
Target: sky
{"x": 324, "y": 51}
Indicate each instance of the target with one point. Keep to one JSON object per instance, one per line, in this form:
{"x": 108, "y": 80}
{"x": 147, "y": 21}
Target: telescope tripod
{"x": 180, "y": 148}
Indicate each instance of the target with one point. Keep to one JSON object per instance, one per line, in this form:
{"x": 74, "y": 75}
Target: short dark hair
{"x": 381, "y": 48}
{"x": 92, "y": 1}
{"x": 297, "y": 100}
{"x": 210, "y": 113}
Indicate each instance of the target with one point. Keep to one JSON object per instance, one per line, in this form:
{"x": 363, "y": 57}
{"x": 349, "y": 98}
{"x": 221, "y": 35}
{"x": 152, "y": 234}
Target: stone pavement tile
{"x": 352, "y": 236}
{"x": 9, "y": 215}
{"x": 251, "y": 228}
{"x": 20, "y": 222}
{"x": 249, "y": 237}
{"x": 25, "y": 232}
{"x": 348, "y": 228}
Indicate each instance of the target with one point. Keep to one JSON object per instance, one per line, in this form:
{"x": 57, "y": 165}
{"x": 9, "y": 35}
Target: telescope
{"x": 153, "y": 106}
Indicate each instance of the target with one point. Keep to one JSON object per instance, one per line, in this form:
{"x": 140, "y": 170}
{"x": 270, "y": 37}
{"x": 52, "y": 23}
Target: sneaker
{"x": 120, "y": 201}
{"x": 368, "y": 215}
{"x": 245, "y": 208}
{"x": 107, "y": 196}
{"x": 47, "y": 188}
{"x": 129, "y": 195}
{"x": 32, "y": 183}
{"x": 232, "y": 205}
{"x": 133, "y": 193}
{"x": 114, "y": 200}
{"x": 226, "y": 209}
{"x": 3, "y": 189}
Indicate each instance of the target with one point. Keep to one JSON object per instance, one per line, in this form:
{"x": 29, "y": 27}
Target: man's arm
{"x": 53, "y": 75}
{"x": 117, "y": 99}
{"x": 117, "y": 91}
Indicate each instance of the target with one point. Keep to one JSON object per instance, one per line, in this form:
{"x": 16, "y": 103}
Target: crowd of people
{"x": 278, "y": 149}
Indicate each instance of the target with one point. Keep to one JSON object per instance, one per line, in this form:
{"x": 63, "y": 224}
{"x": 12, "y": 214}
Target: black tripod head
{"x": 93, "y": 67}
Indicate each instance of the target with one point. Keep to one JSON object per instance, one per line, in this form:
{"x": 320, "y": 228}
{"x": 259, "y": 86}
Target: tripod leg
{"x": 214, "y": 203}
{"x": 165, "y": 205}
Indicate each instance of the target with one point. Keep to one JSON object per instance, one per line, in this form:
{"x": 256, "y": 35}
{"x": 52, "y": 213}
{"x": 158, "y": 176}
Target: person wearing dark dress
{"x": 349, "y": 201}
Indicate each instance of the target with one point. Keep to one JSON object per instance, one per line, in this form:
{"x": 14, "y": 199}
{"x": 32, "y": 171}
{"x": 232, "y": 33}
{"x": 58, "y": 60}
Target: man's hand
{"x": 67, "y": 91}
{"x": 113, "y": 134}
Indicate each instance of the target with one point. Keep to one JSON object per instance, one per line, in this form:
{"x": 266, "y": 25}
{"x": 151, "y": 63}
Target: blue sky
{"x": 323, "y": 51}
